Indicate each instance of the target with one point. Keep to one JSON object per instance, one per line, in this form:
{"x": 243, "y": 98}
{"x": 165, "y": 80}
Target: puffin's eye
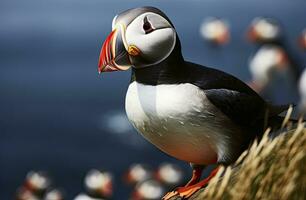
{"x": 147, "y": 27}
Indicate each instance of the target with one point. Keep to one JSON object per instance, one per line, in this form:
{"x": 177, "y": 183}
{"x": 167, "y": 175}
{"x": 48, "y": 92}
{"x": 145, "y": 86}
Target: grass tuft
{"x": 270, "y": 169}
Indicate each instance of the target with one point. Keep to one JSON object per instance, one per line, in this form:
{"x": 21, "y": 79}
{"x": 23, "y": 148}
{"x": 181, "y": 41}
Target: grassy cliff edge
{"x": 270, "y": 169}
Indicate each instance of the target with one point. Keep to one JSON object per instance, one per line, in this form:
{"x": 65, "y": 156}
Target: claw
{"x": 169, "y": 195}
{"x": 184, "y": 192}
{"x": 189, "y": 190}
{"x": 188, "y": 193}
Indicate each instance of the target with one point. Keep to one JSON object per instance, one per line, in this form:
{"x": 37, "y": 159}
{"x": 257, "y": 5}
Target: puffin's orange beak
{"x": 113, "y": 55}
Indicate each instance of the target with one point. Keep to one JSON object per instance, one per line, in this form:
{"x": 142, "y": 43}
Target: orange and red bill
{"x": 113, "y": 55}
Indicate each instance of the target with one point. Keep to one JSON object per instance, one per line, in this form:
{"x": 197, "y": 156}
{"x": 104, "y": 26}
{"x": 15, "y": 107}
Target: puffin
{"x": 169, "y": 174}
{"x": 302, "y": 90}
{"x": 194, "y": 113}
{"x": 215, "y": 30}
{"x": 268, "y": 31}
{"x": 268, "y": 61}
{"x": 264, "y": 30}
{"x": 138, "y": 172}
{"x": 148, "y": 190}
{"x": 38, "y": 182}
{"x": 54, "y": 194}
{"x": 99, "y": 184}
{"x": 25, "y": 194}
{"x": 83, "y": 196}
{"x": 302, "y": 39}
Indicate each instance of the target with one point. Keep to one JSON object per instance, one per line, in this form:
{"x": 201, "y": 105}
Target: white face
{"x": 265, "y": 29}
{"x": 153, "y": 35}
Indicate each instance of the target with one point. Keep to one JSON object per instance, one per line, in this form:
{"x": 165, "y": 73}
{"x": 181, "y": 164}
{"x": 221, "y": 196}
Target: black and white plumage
{"x": 54, "y": 194}
{"x": 170, "y": 174}
{"x": 194, "y": 113}
{"x": 138, "y": 173}
{"x": 302, "y": 39}
{"x": 274, "y": 52}
{"x": 38, "y": 182}
{"x": 148, "y": 190}
{"x": 302, "y": 90}
{"x": 215, "y": 30}
{"x": 99, "y": 184}
{"x": 268, "y": 62}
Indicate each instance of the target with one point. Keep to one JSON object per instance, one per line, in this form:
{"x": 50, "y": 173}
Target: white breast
{"x": 179, "y": 120}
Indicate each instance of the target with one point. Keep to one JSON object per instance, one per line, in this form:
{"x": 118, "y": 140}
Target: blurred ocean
{"x": 57, "y": 114}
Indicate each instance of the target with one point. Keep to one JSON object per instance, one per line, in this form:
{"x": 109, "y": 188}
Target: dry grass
{"x": 270, "y": 169}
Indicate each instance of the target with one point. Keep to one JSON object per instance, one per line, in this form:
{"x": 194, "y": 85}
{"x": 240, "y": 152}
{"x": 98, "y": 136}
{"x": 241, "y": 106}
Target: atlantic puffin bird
{"x": 137, "y": 173}
{"x": 38, "y": 182}
{"x": 194, "y": 113}
{"x": 302, "y": 89}
{"x": 25, "y": 194}
{"x": 268, "y": 31}
{"x": 302, "y": 40}
{"x": 148, "y": 190}
{"x": 269, "y": 61}
{"x": 215, "y": 30}
{"x": 54, "y": 194}
{"x": 99, "y": 184}
{"x": 170, "y": 174}
{"x": 83, "y": 196}
{"x": 264, "y": 30}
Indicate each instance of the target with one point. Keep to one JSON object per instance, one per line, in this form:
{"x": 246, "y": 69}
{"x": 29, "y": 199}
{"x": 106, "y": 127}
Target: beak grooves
{"x": 113, "y": 55}
{"x": 106, "y": 54}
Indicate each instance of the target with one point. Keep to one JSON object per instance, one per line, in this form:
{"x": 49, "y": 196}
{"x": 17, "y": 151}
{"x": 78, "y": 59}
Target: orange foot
{"x": 188, "y": 191}
{"x": 184, "y": 192}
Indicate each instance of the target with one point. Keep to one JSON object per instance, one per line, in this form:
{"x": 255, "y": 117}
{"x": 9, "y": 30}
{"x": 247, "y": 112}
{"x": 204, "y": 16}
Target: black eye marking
{"x": 147, "y": 27}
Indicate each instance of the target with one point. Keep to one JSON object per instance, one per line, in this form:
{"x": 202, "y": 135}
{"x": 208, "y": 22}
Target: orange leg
{"x": 188, "y": 190}
{"x": 196, "y": 175}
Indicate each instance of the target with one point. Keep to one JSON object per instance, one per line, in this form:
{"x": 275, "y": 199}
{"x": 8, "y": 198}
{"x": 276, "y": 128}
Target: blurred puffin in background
{"x": 137, "y": 173}
{"x": 273, "y": 57}
{"x": 148, "y": 190}
{"x": 84, "y": 196}
{"x": 35, "y": 186}
{"x": 54, "y": 194}
{"x": 25, "y": 194}
{"x": 38, "y": 181}
{"x": 215, "y": 31}
{"x": 169, "y": 174}
{"x": 302, "y": 90}
{"x": 302, "y": 40}
{"x": 268, "y": 61}
{"x": 99, "y": 183}
{"x": 264, "y": 30}
{"x": 194, "y": 113}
